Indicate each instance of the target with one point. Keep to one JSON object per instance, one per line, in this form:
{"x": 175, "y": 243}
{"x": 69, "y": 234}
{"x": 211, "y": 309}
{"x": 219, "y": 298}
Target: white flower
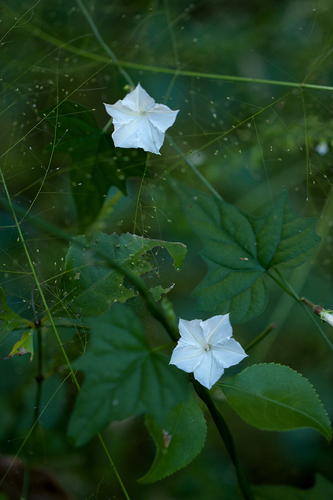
{"x": 139, "y": 122}
{"x": 327, "y": 316}
{"x": 206, "y": 349}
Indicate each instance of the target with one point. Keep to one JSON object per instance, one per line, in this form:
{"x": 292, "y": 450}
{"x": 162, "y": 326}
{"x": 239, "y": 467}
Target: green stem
{"x": 103, "y": 44}
{"x": 308, "y": 303}
{"x": 170, "y": 71}
{"x": 39, "y": 288}
{"x": 107, "y": 126}
{"x": 226, "y": 436}
{"x": 39, "y": 380}
{"x": 10, "y": 205}
{"x": 260, "y": 337}
{"x": 314, "y": 321}
{"x": 228, "y": 78}
{"x": 306, "y": 142}
{"x": 155, "y": 310}
{"x": 31, "y": 430}
{"x": 130, "y": 81}
{"x": 285, "y": 288}
{"x": 139, "y": 194}
{"x": 113, "y": 466}
{"x": 193, "y": 168}
{"x": 172, "y": 33}
{"x": 316, "y": 309}
{"x": 163, "y": 347}
{"x": 288, "y": 288}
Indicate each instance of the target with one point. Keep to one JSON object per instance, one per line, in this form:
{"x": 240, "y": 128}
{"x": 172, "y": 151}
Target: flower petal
{"x": 191, "y": 332}
{"x": 151, "y": 139}
{"x": 120, "y": 113}
{"x": 209, "y": 370}
{"x": 217, "y": 329}
{"x": 187, "y": 357}
{"x": 327, "y": 316}
{"x": 138, "y": 133}
{"x": 127, "y": 135}
{"x": 162, "y": 117}
{"x": 230, "y": 353}
{"x": 138, "y": 100}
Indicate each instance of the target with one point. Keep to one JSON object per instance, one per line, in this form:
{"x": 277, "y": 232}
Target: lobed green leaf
{"x": 239, "y": 249}
{"x": 123, "y": 376}
{"x": 276, "y": 398}
{"x": 91, "y": 285}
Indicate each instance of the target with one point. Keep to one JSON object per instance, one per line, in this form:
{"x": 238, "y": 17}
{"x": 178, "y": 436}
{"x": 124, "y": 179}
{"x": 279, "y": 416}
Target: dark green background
{"x": 44, "y": 59}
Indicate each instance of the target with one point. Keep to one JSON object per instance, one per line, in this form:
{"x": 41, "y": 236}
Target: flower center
{"x": 143, "y": 112}
{"x": 207, "y": 347}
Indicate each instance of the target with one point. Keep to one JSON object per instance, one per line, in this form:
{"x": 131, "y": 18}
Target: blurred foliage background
{"x": 250, "y": 140}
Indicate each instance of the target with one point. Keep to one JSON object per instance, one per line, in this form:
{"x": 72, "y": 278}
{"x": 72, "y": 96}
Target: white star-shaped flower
{"x": 139, "y": 122}
{"x": 206, "y": 348}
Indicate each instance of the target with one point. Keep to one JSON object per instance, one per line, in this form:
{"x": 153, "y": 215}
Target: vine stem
{"x": 226, "y": 436}
{"x": 130, "y": 82}
{"x": 39, "y": 380}
{"x": 316, "y": 309}
{"x": 169, "y": 71}
{"x": 103, "y": 44}
{"x": 38, "y": 285}
{"x": 156, "y": 311}
{"x": 31, "y": 430}
{"x": 193, "y": 168}
{"x": 282, "y": 282}
{"x": 139, "y": 194}
{"x": 260, "y": 337}
{"x": 48, "y": 312}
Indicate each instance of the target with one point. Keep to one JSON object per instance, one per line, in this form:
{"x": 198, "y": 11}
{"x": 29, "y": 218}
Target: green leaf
{"x": 96, "y": 163}
{"x": 322, "y": 490}
{"x": 9, "y": 320}
{"x": 239, "y": 249}
{"x": 276, "y": 398}
{"x": 178, "y": 441}
{"x": 123, "y": 376}
{"x": 158, "y": 291}
{"x": 92, "y": 286}
{"x": 23, "y": 346}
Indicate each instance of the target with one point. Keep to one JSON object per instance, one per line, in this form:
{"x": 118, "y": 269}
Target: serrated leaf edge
{"x": 327, "y": 435}
{"x": 142, "y": 479}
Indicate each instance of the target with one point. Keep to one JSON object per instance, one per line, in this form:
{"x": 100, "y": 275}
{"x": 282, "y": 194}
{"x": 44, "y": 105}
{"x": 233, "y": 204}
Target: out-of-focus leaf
{"x": 123, "y": 376}
{"x": 158, "y": 291}
{"x": 239, "y": 249}
{"x": 178, "y": 440}
{"x": 322, "y": 490}
{"x": 96, "y": 163}
{"x": 92, "y": 286}
{"x": 9, "y": 319}
{"x": 276, "y": 398}
{"x": 23, "y": 346}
